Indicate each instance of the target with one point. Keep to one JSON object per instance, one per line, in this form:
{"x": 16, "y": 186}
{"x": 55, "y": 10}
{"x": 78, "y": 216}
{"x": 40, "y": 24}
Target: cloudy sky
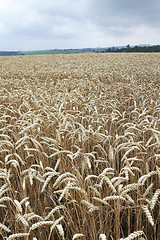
{"x": 49, "y": 24}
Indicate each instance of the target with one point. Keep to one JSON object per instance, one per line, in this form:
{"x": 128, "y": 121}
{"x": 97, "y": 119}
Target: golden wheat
{"x": 80, "y": 147}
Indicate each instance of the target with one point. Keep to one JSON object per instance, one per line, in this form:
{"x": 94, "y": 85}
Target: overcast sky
{"x": 49, "y": 24}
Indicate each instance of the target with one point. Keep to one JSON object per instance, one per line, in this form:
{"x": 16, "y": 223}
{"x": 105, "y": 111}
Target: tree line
{"x": 10, "y": 53}
{"x": 154, "y": 48}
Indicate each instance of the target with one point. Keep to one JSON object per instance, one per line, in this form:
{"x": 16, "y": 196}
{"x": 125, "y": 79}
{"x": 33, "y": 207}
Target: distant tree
{"x": 136, "y": 48}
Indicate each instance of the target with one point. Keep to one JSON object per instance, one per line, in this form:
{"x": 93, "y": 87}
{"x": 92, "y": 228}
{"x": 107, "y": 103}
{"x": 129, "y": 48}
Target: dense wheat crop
{"x": 80, "y": 147}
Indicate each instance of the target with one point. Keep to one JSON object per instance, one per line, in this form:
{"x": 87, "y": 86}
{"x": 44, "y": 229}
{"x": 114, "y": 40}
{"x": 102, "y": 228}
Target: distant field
{"x": 80, "y": 147}
{"x": 48, "y": 52}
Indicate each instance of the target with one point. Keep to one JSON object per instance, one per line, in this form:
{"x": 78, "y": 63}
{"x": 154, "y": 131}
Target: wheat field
{"x": 80, "y": 147}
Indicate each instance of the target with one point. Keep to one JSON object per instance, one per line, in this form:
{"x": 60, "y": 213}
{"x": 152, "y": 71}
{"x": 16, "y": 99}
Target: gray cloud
{"x": 34, "y": 24}
{"x": 125, "y": 13}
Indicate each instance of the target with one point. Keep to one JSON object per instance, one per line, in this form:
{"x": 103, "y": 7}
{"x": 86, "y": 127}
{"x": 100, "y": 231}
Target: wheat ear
{"x": 17, "y": 235}
{"x": 133, "y": 235}
{"x": 102, "y": 236}
{"x": 154, "y": 199}
{"x": 77, "y": 235}
{"x": 2, "y": 226}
